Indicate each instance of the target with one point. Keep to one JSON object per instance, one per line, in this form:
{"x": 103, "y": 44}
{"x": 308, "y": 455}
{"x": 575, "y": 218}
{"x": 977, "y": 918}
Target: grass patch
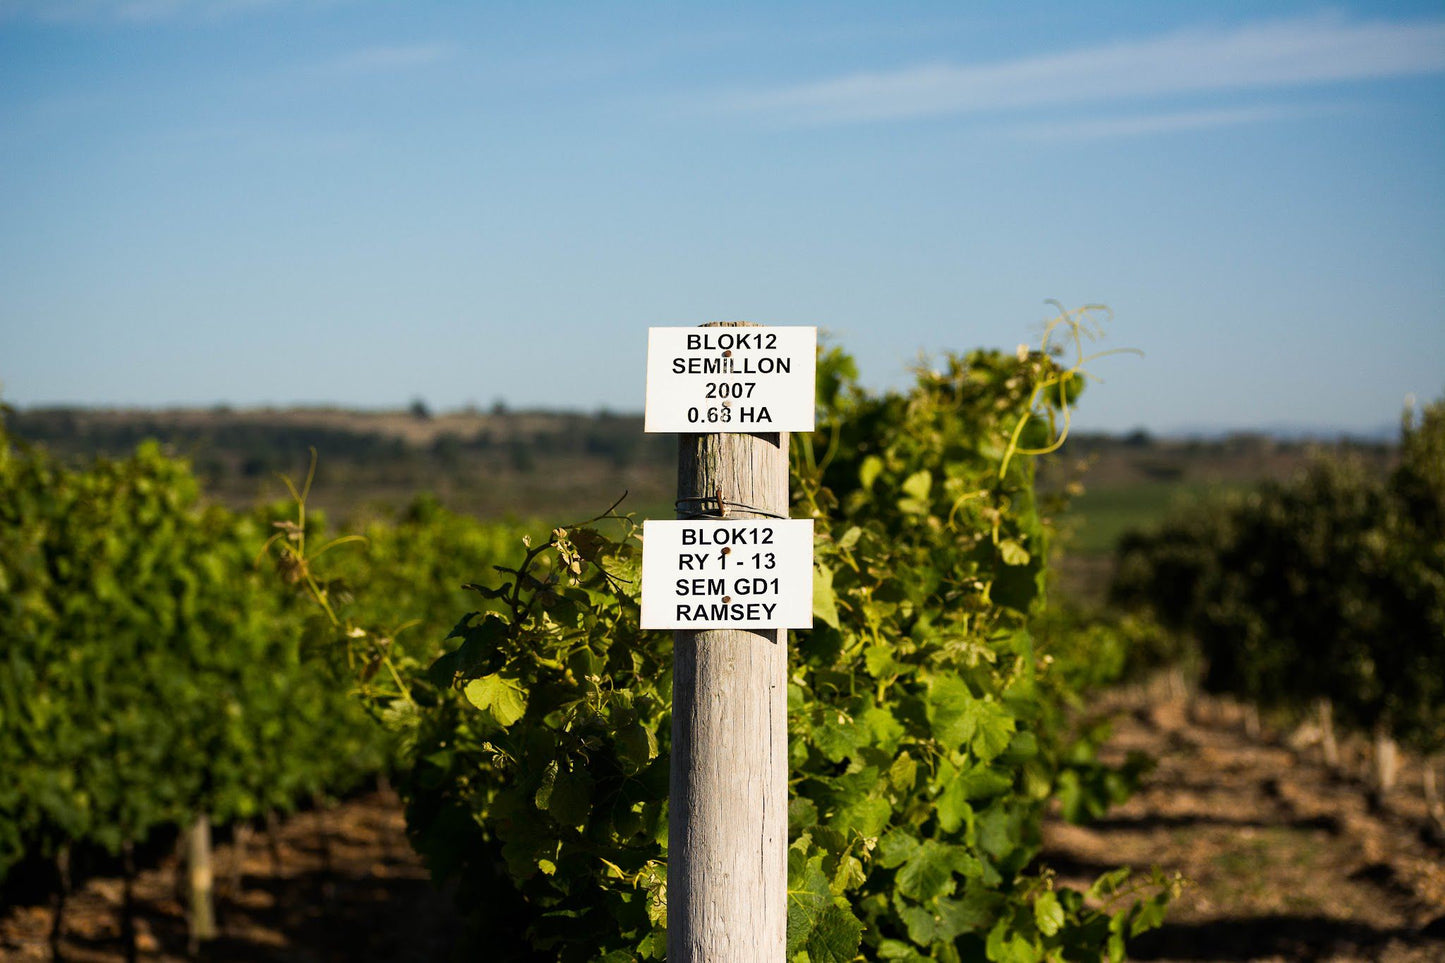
{"x": 1097, "y": 519}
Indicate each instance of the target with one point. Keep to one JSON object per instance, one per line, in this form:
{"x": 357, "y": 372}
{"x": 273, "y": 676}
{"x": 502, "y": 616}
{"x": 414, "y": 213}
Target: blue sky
{"x": 360, "y": 202}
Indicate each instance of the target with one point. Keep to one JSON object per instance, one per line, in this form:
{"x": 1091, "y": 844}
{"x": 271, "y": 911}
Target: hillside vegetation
{"x": 553, "y": 464}
{"x": 492, "y": 464}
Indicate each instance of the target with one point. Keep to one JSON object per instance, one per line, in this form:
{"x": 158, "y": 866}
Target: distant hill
{"x": 557, "y": 465}
{"x": 1234, "y": 458}
{"x": 1284, "y": 431}
{"x": 562, "y": 466}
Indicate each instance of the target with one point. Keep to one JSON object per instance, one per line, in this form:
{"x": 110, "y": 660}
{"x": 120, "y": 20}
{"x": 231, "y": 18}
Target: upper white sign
{"x": 731, "y": 379}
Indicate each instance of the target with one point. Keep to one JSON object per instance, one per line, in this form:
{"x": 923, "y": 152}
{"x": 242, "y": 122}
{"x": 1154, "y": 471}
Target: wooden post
{"x": 1328, "y": 742}
{"x": 727, "y": 876}
{"x": 1387, "y": 760}
{"x": 127, "y": 901}
{"x": 1434, "y": 804}
{"x": 57, "y": 925}
{"x": 200, "y": 878}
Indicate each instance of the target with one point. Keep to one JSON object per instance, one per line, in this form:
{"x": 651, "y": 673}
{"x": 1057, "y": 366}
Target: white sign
{"x": 731, "y": 379}
{"x": 727, "y": 574}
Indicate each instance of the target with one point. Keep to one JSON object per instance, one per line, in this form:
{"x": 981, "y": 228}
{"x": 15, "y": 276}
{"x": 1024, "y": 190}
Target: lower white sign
{"x": 723, "y": 573}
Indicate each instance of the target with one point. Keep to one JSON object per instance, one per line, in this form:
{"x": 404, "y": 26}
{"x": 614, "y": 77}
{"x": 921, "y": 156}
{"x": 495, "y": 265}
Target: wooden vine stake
{"x": 728, "y": 814}
{"x": 200, "y": 880}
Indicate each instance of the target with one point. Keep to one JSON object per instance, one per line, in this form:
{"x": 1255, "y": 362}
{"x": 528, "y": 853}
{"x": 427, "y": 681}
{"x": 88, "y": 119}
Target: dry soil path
{"x": 342, "y": 885}
{"x": 1286, "y": 859}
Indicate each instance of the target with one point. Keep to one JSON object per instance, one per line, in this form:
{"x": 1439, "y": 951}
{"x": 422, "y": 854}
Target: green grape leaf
{"x": 866, "y": 816}
{"x": 809, "y": 897}
{"x": 896, "y": 847}
{"x": 918, "y": 485}
{"x": 504, "y": 698}
{"x": 1048, "y": 914}
{"x": 938, "y": 921}
{"x": 825, "y": 602}
{"x": 835, "y": 937}
{"x": 958, "y": 718}
{"x": 1013, "y": 553}
{"x": 952, "y": 806}
{"x": 636, "y": 747}
{"x": 929, "y": 871}
{"x": 868, "y": 472}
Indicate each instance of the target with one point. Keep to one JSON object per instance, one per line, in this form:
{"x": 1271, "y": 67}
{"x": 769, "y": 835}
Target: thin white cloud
{"x": 1167, "y": 122}
{"x": 81, "y": 11}
{"x": 124, "y": 11}
{"x": 387, "y": 58}
{"x": 1261, "y": 56}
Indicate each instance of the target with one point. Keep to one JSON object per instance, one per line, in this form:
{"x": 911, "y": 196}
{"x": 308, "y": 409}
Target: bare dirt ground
{"x": 1286, "y": 859}
{"x": 345, "y": 886}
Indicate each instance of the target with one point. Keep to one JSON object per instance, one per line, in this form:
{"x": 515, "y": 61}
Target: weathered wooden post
{"x": 200, "y": 895}
{"x": 728, "y": 810}
{"x": 727, "y": 875}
